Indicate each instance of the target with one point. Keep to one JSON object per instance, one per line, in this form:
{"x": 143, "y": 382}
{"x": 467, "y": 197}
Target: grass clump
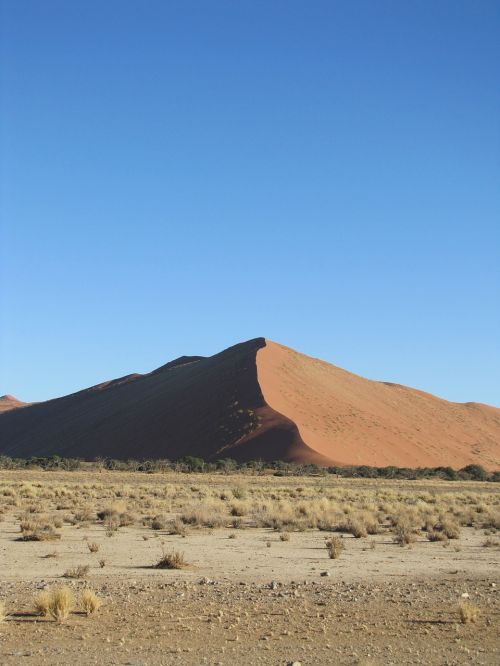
{"x": 285, "y": 536}
{"x": 111, "y": 524}
{"x": 334, "y": 546}
{"x": 177, "y": 527}
{"x": 204, "y": 515}
{"x": 171, "y": 560}
{"x": 58, "y": 604}
{"x": 436, "y": 535}
{"x": 404, "y": 534}
{"x": 61, "y": 603}
{"x": 450, "y": 528}
{"x": 158, "y": 523}
{"x": 468, "y": 612}
{"x": 93, "y": 546}
{"x": 42, "y": 603}
{"x": 79, "y": 571}
{"x": 37, "y": 530}
{"x": 90, "y": 602}
{"x": 357, "y": 529}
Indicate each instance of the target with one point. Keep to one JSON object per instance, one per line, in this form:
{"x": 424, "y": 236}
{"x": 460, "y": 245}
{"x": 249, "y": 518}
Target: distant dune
{"x": 256, "y": 400}
{"x": 8, "y": 402}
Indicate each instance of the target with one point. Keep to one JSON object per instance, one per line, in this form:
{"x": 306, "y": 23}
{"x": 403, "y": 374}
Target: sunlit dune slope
{"x": 352, "y": 420}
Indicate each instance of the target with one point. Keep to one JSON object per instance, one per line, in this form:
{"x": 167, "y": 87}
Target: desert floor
{"x": 258, "y": 586}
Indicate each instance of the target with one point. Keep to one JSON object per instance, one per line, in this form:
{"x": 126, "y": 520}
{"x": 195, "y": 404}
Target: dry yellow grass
{"x": 79, "y": 571}
{"x": 468, "y": 612}
{"x": 61, "y": 603}
{"x": 334, "y": 546}
{"x": 42, "y": 603}
{"x": 432, "y": 510}
{"x": 90, "y": 602}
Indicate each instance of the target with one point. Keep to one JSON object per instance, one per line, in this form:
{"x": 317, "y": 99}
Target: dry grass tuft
{"x": 177, "y": 527}
{"x": 450, "y": 528}
{"x": 404, "y": 535}
{"x": 42, "y": 603}
{"x": 435, "y": 535}
{"x": 468, "y": 612}
{"x": 159, "y": 523}
{"x": 334, "y": 546}
{"x": 285, "y": 536}
{"x": 90, "y": 601}
{"x": 111, "y": 524}
{"x": 61, "y": 603}
{"x": 79, "y": 571}
{"x": 93, "y": 546}
{"x": 37, "y": 530}
{"x": 171, "y": 560}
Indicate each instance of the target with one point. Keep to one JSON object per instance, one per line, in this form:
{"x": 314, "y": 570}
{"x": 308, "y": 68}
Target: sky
{"x": 179, "y": 176}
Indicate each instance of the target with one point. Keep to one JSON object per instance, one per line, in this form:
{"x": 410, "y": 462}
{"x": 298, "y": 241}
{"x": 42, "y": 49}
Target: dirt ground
{"x": 246, "y": 596}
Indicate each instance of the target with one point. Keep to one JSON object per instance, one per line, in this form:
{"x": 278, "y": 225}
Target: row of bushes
{"x": 227, "y": 465}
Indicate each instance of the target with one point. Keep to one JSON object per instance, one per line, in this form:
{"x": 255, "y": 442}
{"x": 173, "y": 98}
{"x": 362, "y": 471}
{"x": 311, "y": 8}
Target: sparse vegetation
{"x": 37, "y": 530}
{"x": 93, "y": 546}
{"x": 304, "y": 522}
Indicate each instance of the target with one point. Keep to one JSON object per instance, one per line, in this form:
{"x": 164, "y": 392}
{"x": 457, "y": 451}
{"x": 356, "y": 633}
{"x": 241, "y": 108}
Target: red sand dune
{"x": 256, "y": 400}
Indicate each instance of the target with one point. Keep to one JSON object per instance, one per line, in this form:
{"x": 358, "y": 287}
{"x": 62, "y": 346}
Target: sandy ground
{"x": 177, "y": 622}
{"x": 246, "y": 557}
{"x": 240, "y": 601}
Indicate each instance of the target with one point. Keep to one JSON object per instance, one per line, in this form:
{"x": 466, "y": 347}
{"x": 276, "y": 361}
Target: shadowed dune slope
{"x": 256, "y": 400}
{"x": 352, "y": 420}
{"x": 209, "y": 407}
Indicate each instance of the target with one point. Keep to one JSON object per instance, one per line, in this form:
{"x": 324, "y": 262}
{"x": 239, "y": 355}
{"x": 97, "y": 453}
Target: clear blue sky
{"x": 180, "y": 176}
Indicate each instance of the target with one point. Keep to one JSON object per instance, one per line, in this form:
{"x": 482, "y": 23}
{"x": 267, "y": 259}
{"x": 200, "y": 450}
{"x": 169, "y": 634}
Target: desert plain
{"x": 270, "y": 570}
